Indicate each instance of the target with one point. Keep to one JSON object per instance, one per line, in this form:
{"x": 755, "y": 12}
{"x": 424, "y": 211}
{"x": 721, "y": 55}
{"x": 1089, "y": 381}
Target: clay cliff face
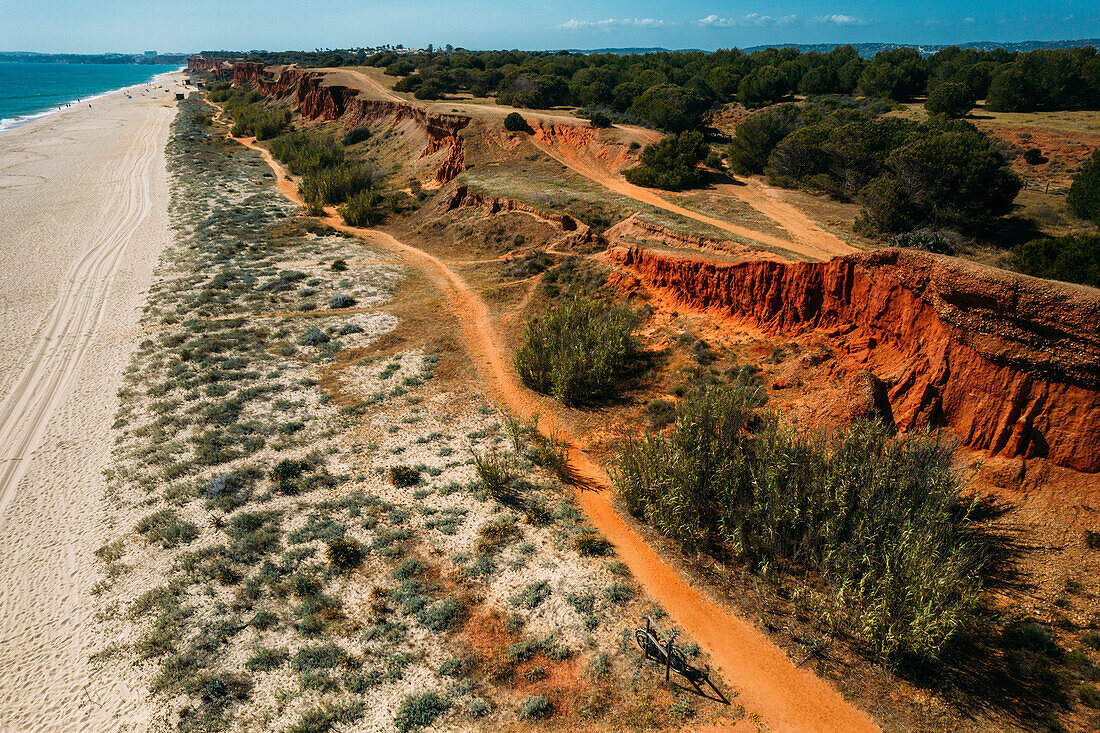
{"x": 315, "y": 100}
{"x": 1008, "y": 364}
{"x": 216, "y": 66}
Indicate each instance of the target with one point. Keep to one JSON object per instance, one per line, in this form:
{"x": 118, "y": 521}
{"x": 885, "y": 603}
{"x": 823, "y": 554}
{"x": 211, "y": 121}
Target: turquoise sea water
{"x": 30, "y": 89}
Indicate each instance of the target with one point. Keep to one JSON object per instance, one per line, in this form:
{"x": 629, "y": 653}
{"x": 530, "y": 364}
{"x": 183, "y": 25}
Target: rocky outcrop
{"x": 1008, "y": 364}
{"x": 309, "y": 94}
{"x": 576, "y": 232}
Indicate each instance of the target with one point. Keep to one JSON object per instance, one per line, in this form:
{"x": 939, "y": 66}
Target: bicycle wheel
{"x": 646, "y": 643}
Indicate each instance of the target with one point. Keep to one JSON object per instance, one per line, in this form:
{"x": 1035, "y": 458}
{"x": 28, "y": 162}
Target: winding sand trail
{"x": 787, "y": 698}
{"x": 85, "y": 201}
{"x": 807, "y": 238}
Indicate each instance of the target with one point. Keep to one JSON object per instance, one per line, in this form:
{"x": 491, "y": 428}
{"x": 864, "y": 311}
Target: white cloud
{"x": 841, "y": 19}
{"x": 575, "y": 25}
{"x": 968, "y": 20}
{"x": 752, "y": 20}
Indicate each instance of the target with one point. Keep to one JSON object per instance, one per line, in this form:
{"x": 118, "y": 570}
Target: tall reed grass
{"x": 304, "y": 153}
{"x": 879, "y": 519}
{"x": 577, "y": 350}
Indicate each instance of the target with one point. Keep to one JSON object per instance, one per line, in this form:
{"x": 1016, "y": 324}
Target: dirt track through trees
{"x": 807, "y": 238}
{"x": 787, "y": 698}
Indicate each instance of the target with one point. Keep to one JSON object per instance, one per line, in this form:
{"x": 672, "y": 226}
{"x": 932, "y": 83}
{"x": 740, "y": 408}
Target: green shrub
{"x": 1033, "y": 156}
{"x": 618, "y": 592}
{"x": 1084, "y": 193}
{"x": 878, "y": 517}
{"x": 341, "y": 300}
{"x": 672, "y": 163}
{"x": 928, "y": 240}
{"x": 532, "y": 595}
{"x": 599, "y": 120}
{"x": 404, "y": 476}
{"x": 327, "y": 717}
{"x": 166, "y": 528}
{"x": 419, "y": 710}
{"x": 756, "y": 136}
{"x": 577, "y": 351}
{"x": 535, "y": 707}
{"x": 514, "y": 122}
{"x": 660, "y": 413}
{"x": 496, "y": 533}
{"x": 951, "y": 99}
{"x": 305, "y": 153}
{"x": 337, "y": 184}
{"x": 589, "y": 543}
{"x": 325, "y": 656}
{"x": 344, "y": 553}
{"x": 497, "y": 471}
{"x": 1075, "y": 258}
{"x": 356, "y": 135}
{"x": 251, "y": 117}
{"x": 265, "y": 659}
{"x": 364, "y": 209}
{"x": 441, "y": 616}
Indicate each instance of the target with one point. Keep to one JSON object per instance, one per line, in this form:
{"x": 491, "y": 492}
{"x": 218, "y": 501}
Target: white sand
{"x": 83, "y": 205}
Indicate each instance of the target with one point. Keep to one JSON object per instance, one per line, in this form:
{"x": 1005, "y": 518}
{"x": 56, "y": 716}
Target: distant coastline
{"x": 30, "y": 91}
{"x": 150, "y": 58}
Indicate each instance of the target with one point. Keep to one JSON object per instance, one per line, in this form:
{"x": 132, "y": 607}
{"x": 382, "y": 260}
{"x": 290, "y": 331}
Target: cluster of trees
{"x": 906, "y": 174}
{"x": 672, "y": 163}
{"x": 671, "y": 90}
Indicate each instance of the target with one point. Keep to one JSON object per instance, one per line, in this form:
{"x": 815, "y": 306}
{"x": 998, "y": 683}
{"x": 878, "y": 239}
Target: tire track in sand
{"x": 786, "y": 697}
{"x": 44, "y": 383}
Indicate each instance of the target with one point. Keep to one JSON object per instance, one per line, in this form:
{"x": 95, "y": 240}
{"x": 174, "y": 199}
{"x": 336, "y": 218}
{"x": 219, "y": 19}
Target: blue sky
{"x": 93, "y": 26}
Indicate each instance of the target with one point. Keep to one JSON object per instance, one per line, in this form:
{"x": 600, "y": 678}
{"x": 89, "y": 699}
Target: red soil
{"x": 1008, "y": 364}
{"x": 308, "y": 93}
{"x": 786, "y": 697}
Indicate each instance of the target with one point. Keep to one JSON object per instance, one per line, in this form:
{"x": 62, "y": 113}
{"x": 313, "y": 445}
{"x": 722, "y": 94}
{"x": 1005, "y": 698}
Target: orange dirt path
{"x": 808, "y": 239}
{"x": 787, "y": 698}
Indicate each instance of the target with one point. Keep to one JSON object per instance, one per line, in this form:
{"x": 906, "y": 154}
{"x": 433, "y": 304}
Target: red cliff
{"x": 212, "y": 64}
{"x": 309, "y": 95}
{"x": 1008, "y": 364}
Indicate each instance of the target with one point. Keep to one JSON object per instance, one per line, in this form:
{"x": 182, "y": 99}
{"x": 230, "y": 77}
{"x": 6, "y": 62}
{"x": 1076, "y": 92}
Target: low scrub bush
{"x": 497, "y": 471}
{"x": 345, "y": 553}
{"x": 576, "y": 351}
{"x": 166, "y": 528}
{"x": 251, "y": 117}
{"x": 356, "y": 135}
{"x": 403, "y": 476}
{"x": 535, "y": 707}
{"x": 929, "y": 240}
{"x": 514, "y": 122}
{"x": 495, "y": 534}
{"x": 341, "y": 300}
{"x": 880, "y": 518}
{"x": 419, "y": 710}
{"x": 364, "y": 209}
{"x": 1075, "y": 258}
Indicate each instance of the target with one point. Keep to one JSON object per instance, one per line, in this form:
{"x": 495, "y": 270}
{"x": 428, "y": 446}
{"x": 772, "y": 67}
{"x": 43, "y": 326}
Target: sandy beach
{"x": 83, "y": 199}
